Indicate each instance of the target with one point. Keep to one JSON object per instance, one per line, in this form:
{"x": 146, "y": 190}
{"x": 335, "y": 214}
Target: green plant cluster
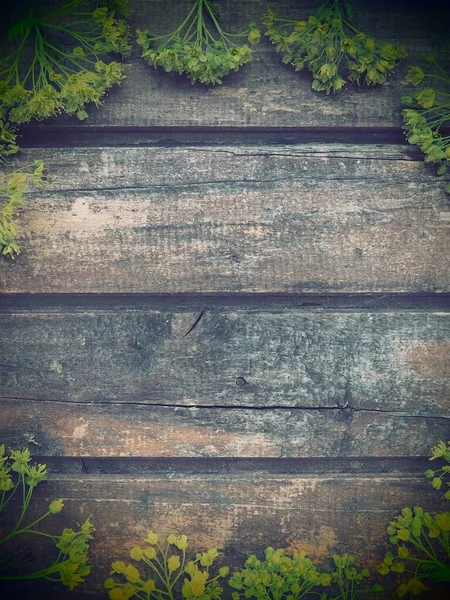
{"x": 278, "y": 577}
{"x": 199, "y": 47}
{"x": 421, "y": 540}
{"x": 422, "y": 549}
{"x": 428, "y": 113}
{"x": 331, "y": 48}
{"x": 13, "y": 186}
{"x": 18, "y": 479}
{"x": 57, "y": 65}
{"x": 167, "y": 567}
{"x": 441, "y": 450}
{"x": 348, "y": 579}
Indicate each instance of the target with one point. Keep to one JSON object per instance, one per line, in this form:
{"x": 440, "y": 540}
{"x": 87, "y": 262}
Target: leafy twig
{"x": 71, "y": 564}
{"x": 56, "y": 65}
{"x": 422, "y": 540}
{"x": 348, "y": 579}
{"x": 428, "y": 114}
{"x": 166, "y": 572}
{"x": 441, "y": 450}
{"x": 198, "y": 47}
{"x": 278, "y": 576}
{"x": 13, "y": 186}
{"x": 331, "y": 47}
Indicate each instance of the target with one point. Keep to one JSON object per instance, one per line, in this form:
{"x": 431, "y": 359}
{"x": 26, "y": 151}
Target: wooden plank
{"x": 238, "y": 513}
{"x": 323, "y": 218}
{"x": 266, "y": 93}
{"x": 393, "y": 361}
{"x": 67, "y": 429}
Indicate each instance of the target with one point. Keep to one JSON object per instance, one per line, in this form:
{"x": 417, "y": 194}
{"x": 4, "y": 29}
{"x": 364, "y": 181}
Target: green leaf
{"x": 136, "y": 553}
{"x": 55, "y": 506}
{"x": 173, "y": 563}
{"x": 81, "y": 115}
{"x": 415, "y": 75}
{"x": 437, "y": 483}
{"x": 132, "y": 574}
{"x": 152, "y": 538}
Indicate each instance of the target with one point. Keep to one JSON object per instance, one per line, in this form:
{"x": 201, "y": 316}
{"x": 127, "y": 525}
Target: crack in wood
{"x": 195, "y": 184}
{"x": 345, "y": 408}
{"x": 196, "y": 322}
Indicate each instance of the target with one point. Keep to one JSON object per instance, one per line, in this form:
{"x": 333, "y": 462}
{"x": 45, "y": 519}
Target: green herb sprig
{"x": 422, "y": 549}
{"x": 199, "y": 47}
{"x": 13, "y": 187}
{"x": 422, "y": 540}
{"x": 332, "y": 48}
{"x": 278, "y": 576}
{"x": 18, "y": 479}
{"x": 56, "y": 65}
{"x": 348, "y": 579}
{"x": 428, "y": 113}
{"x": 8, "y": 137}
{"x": 168, "y": 565}
{"x": 441, "y": 450}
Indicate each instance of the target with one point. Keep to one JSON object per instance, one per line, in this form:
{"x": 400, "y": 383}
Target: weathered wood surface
{"x": 238, "y": 513}
{"x": 110, "y": 430}
{"x": 301, "y": 218}
{"x": 266, "y": 93}
{"x": 394, "y": 361}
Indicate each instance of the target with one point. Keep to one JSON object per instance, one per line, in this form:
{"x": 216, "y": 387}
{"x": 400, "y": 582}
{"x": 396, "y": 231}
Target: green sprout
{"x": 278, "y": 577}
{"x": 422, "y": 549}
{"x": 56, "y": 65}
{"x": 198, "y": 47}
{"x": 428, "y": 114}
{"x": 167, "y": 566}
{"x": 348, "y": 579}
{"x": 441, "y": 450}
{"x": 18, "y": 479}
{"x": 422, "y": 540}
{"x": 13, "y": 186}
{"x": 328, "y": 45}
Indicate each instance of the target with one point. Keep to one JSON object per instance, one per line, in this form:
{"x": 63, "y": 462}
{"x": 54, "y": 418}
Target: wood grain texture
{"x": 301, "y": 218}
{"x": 266, "y": 93}
{"x": 395, "y": 361}
{"x": 67, "y": 429}
{"x": 238, "y": 513}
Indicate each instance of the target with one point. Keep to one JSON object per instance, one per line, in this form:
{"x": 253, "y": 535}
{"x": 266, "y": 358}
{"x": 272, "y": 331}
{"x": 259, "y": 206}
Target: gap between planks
{"x": 314, "y": 466}
{"x": 47, "y": 136}
{"x": 225, "y": 302}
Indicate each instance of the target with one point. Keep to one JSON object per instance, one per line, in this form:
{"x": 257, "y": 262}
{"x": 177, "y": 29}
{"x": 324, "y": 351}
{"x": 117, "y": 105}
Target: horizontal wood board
{"x": 265, "y": 92}
{"x": 258, "y": 385}
{"x": 301, "y": 218}
{"x": 238, "y": 513}
{"x": 394, "y": 361}
{"x": 59, "y": 429}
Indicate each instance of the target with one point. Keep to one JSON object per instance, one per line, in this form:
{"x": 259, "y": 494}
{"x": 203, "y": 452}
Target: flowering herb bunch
{"x": 8, "y": 136}
{"x": 13, "y": 186}
{"x": 168, "y": 565}
{"x": 348, "y": 579}
{"x": 18, "y": 479}
{"x": 441, "y": 450}
{"x": 56, "y": 64}
{"x": 422, "y": 549}
{"x": 331, "y": 48}
{"x": 199, "y": 47}
{"x": 422, "y": 540}
{"x": 428, "y": 113}
{"x": 278, "y": 577}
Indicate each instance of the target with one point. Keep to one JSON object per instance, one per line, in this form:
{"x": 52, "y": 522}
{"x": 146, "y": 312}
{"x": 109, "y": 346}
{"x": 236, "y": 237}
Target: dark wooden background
{"x": 309, "y": 247}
